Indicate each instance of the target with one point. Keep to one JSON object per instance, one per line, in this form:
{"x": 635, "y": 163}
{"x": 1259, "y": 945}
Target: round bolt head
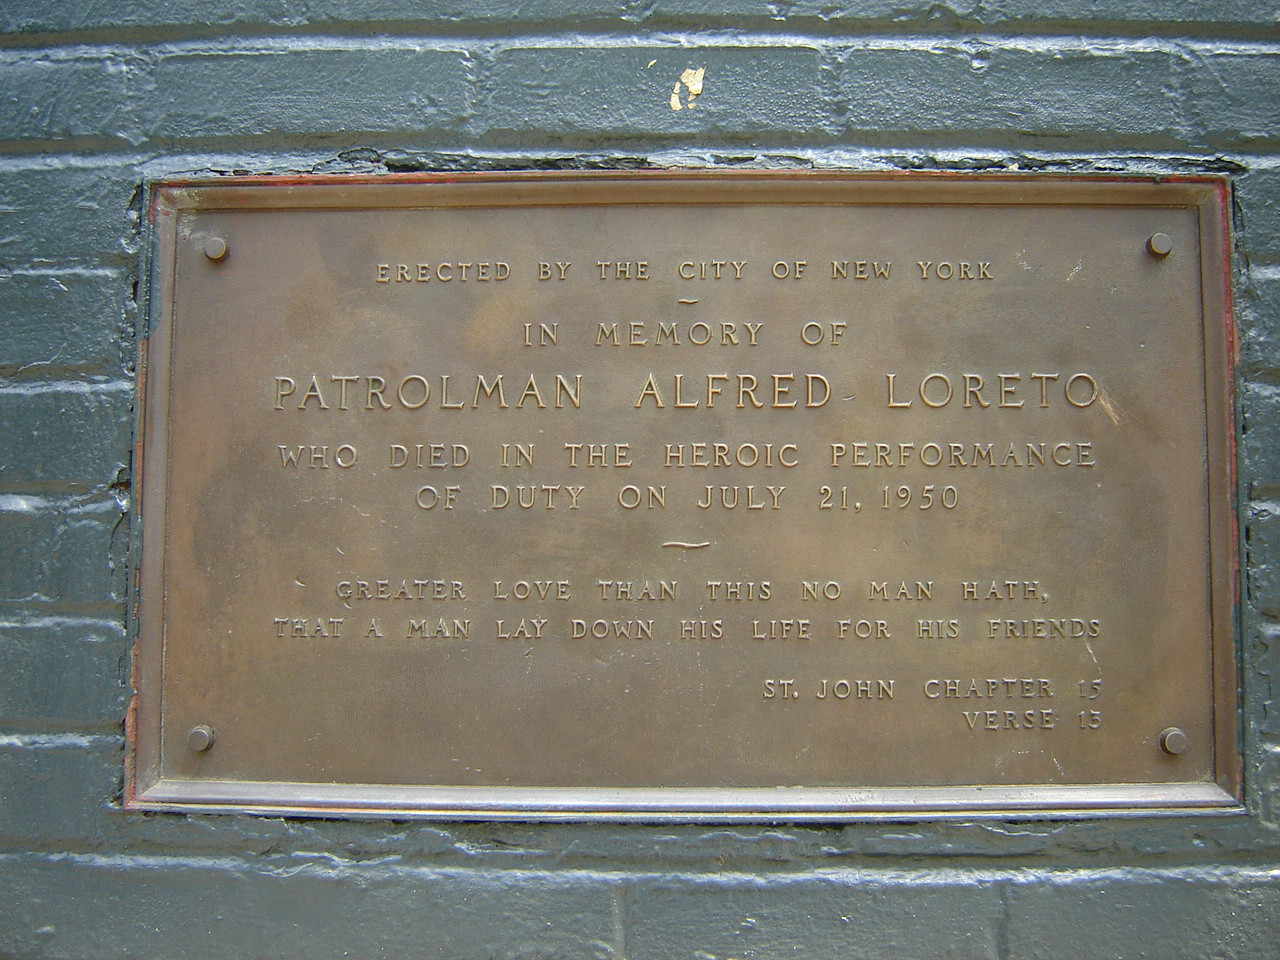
{"x": 1159, "y": 244}
{"x": 200, "y": 738}
{"x": 1173, "y": 741}
{"x": 215, "y": 248}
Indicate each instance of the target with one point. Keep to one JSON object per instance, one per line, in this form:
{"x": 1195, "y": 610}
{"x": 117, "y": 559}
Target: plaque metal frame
{"x": 151, "y": 783}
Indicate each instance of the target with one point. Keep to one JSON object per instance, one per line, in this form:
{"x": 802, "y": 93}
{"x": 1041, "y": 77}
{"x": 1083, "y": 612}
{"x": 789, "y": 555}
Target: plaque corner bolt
{"x": 215, "y": 248}
{"x": 1173, "y": 741}
{"x": 1159, "y": 244}
{"x": 200, "y": 738}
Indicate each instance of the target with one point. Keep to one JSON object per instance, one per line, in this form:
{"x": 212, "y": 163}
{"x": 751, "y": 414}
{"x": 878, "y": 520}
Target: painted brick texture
{"x": 101, "y": 99}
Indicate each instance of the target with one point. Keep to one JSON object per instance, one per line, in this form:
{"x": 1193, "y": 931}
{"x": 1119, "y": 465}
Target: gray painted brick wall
{"x": 101, "y": 98}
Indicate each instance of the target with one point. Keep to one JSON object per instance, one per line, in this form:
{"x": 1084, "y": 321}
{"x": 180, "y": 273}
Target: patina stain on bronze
{"x": 682, "y": 496}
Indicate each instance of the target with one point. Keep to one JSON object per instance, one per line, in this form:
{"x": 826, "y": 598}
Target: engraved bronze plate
{"x": 687, "y": 496}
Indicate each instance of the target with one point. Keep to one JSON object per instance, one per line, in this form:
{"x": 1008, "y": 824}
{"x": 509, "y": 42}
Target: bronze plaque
{"x": 687, "y": 496}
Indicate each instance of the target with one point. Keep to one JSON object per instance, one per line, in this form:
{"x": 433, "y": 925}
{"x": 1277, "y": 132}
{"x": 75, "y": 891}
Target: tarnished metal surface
{"x": 687, "y": 496}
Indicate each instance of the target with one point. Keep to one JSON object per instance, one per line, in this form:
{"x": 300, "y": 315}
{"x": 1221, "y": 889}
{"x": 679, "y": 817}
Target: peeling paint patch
{"x": 691, "y": 80}
{"x": 17, "y": 503}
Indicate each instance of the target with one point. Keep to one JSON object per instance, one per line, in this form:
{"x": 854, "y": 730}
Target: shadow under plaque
{"x": 687, "y": 495}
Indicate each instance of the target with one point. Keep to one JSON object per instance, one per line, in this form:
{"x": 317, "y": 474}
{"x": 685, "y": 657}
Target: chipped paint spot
{"x": 650, "y": 64}
{"x": 16, "y": 503}
{"x": 691, "y": 80}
